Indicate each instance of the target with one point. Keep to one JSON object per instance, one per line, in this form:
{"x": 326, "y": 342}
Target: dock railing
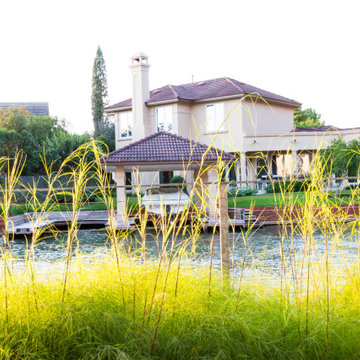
{"x": 330, "y": 183}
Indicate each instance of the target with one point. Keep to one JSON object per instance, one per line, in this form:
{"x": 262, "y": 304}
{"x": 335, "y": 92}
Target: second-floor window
{"x": 215, "y": 117}
{"x": 164, "y": 120}
{"x": 125, "y": 125}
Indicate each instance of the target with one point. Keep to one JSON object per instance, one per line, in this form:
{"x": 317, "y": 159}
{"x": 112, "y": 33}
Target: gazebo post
{"x": 212, "y": 192}
{"x": 198, "y": 191}
{"x": 206, "y": 197}
{"x": 120, "y": 180}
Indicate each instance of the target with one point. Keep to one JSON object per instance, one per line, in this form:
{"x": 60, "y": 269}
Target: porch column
{"x": 238, "y": 173}
{"x": 268, "y": 161}
{"x": 243, "y": 175}
{"x": 311, "y": 157}
{"x": 120, "y": 180}
{"x": 252, "y": 172}
{"x": 294, "y": 162}
{"x": 269, "y": 170}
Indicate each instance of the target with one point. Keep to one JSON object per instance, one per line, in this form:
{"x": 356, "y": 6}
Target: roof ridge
{"x": 159, "y": 88}
{"x": 182, "y": 138}
{"x": 137, "y": 142}
{"x": 173, "y": 91}
{"x": 206, "y": 80}
{"x": 231, "y": 81}
{"x": 195, "y": 143}
{"x": 257, "y": 89}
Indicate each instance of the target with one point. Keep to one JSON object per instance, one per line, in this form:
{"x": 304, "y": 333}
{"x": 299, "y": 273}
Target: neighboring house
{"x": 36, "y": 108}
{"x": 224, "y": 113}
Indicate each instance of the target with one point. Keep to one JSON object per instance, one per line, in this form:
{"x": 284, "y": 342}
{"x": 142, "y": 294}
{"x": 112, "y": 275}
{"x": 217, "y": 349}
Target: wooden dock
{"x": 26, "y": 224}
{"x": 238, "y": 217}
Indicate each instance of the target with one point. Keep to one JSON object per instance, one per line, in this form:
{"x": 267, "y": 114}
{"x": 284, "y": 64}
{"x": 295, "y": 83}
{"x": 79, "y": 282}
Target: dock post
{"x": 224, "y": 232}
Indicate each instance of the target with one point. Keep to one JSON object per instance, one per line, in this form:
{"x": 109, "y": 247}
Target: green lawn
{"x": 298, "y": 198}
{"x": 17, "y": 209}
{"x": 245, "y": 201}
{"x": 258, "y": 200}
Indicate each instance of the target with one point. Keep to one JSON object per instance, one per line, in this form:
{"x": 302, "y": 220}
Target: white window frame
{"x": 215, "y": 116}
{"x": 125, "y": 125}
{"x": 164, "y": 118}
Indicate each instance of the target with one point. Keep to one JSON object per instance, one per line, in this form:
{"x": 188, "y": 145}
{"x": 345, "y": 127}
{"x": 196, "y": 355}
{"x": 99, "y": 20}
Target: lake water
{"x": 262, "y": 250}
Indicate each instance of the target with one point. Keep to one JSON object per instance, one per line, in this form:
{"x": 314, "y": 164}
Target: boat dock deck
{"x": 26, "y": 224}
{"x": 238, "y": 217}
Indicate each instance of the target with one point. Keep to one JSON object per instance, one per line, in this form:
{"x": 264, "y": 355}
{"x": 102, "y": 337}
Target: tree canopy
{"x": 104, "y": 130}
{"x": 341, "y": 158}
{"x": 99, "y": 90}
{"x": 36, "y": 135}
{"x": 307, "y": 118}
{"x": 39, "y": 136}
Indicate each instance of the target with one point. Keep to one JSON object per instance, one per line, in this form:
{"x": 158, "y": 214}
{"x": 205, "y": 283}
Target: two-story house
{"x": 224, "y": 113}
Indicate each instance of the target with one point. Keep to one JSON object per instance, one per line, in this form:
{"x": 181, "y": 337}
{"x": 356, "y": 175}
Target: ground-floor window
{"x": 232, "y": 173}
{"x": 261, "y": 169}
{"x": 128, "y": 181}
{"x": 128, "y": 178}
{"x": 165, "y": 176}
{"x": 274, "y": 164}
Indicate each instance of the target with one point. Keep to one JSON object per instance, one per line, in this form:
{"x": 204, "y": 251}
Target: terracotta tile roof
{"x": 209, "y": 89}
{"x": 123, "y": 104}
{"x": 163, "y": 147}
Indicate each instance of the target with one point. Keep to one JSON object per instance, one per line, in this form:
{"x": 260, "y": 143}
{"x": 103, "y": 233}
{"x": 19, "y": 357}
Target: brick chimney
{"x": 140, "y": 94}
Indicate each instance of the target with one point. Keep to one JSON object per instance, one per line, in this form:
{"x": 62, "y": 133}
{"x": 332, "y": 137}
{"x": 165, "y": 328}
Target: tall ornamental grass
{"x": 129, "y": 305}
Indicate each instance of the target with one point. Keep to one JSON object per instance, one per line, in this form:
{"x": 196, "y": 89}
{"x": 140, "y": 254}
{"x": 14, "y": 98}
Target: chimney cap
{"x": 139, "y": 58}
{"x": 139, "y": 54}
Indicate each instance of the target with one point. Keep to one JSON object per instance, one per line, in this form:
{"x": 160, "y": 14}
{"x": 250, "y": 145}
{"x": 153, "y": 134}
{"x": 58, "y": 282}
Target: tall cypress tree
{"x": 99, "y": 91}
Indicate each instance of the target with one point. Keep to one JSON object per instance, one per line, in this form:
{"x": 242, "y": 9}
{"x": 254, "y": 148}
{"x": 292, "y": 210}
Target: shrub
{"x": 241, "y": 192}
{"x": 288, "y": 186}
{"x": 179, "y": 180}
{"x": 131, "y": 194}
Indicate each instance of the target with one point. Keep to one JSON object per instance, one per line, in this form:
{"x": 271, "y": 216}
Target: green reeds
{"x": 93, "y": 319}
{"x": 129, "y": 305}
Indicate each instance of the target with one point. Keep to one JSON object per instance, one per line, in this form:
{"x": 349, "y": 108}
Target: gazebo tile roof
{"x": 164, "y": 147}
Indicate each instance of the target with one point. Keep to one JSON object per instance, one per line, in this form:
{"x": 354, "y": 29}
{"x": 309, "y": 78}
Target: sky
{"x": 305, "y": 50}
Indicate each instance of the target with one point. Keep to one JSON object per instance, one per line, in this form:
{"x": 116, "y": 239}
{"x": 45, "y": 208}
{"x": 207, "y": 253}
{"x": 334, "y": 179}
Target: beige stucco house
{"x": 224, "y": 113}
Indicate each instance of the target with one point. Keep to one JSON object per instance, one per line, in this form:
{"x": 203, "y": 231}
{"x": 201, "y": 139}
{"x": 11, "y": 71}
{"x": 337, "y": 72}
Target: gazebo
{"x": 163, "y": 151}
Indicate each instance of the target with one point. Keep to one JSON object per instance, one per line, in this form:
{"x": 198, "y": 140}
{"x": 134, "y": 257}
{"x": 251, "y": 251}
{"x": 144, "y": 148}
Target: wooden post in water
{"x": 224, "y": 232}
